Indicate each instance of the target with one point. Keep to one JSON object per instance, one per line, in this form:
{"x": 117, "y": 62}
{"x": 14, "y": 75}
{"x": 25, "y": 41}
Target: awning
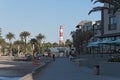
{"x": 107, "y": 41}
{"x": 117, "y": 41}
{"x": 93, "y": 44}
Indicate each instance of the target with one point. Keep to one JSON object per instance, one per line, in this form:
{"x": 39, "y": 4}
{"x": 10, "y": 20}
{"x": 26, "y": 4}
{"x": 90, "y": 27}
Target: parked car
{"x": 29, "y": 58}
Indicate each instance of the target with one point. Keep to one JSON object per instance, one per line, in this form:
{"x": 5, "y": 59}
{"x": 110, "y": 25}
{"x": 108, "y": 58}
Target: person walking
{"x": 53, "y": 57}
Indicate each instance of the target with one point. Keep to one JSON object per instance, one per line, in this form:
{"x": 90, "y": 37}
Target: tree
{"x": 2, "y": 41}
{"x": 68, "y": 43}
{"x": 115, "y": 3}
{"x": 55, "y": 44}
{"x": 80, "y": 38}
{"x": 77, "y": 39}
{"x": 34, "y": 43}
{"x": 74, "y": 38}
{"x": 40, "y": 37}
{"x": 2, "y": 44}
{"x": 102, "y": 16}
{"x": 10, "y": 36}
{"x": 18, "y": 46}
{"x": 86, "y": 36}
{"x": 24, "y": 36}
{"x": 47, "y": 45}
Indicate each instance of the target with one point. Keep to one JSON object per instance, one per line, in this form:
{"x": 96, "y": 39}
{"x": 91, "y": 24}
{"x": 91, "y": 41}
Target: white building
{"x": 111, "y": 24}
{"x": 91, "y": 26}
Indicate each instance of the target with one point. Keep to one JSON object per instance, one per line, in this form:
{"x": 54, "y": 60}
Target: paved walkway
{"x": 14, "y": 70}
{"x": 63, "y": 69}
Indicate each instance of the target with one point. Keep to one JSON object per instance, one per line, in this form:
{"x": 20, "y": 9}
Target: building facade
{"x": 111, "y": 24}
{"x": 92, "y": 26}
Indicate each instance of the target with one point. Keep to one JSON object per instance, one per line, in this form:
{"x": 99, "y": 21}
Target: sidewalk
{"x": 63, "y": 69}
{"x": 14, "y": 70}
{"x": 106, "y": 68}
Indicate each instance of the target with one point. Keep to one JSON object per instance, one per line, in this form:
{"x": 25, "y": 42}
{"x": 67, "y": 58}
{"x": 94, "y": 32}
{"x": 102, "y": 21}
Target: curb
{"x": 29, "y": 76}
{"x": 38, "y": 68}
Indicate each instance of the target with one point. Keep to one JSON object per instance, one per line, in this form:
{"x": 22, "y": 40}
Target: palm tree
{"x": 115, "y": 8}
{"x": 112, "y": 2}
{"x": 2, "y": 44}
{"x": 24, "y": 36}
{"x": 17, "y": 45}
{"x": 102, "y": 16}
{"x": 34, "y": 45}
{"x": 39, "y": 38}
{"x": 115, "y": 3}
{"x": 33, "y": 41}
{"x": 10, "y": 36}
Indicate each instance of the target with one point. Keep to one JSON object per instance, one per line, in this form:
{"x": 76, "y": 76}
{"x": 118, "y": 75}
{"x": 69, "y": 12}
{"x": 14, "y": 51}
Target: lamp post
{"x": 93, "y": 32}
{"x": 97, "y": 66}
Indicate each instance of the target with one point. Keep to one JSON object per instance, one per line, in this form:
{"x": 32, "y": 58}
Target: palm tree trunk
{"x": 40, "y": 46}
{"x": 25, "y": 46}
{"x": 10, "y": 48}
{"x": 18, "y": 50}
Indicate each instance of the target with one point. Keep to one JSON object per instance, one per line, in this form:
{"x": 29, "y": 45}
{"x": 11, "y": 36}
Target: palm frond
{"x": 96, "y": 2}
{"x": 92, "y": 0}
{"x": 99, "y": 8}
{"x": 112, "y": 2}
{"x": 101, "y": 1}
{"x": 90, "y": 12}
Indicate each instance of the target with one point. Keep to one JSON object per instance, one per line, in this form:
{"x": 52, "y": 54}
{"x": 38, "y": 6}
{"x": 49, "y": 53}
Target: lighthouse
{"x": 61, "y": 35}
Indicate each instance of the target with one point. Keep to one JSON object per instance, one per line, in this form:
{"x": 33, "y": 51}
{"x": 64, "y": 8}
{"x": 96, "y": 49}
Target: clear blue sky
{"x": 44, "y": 16}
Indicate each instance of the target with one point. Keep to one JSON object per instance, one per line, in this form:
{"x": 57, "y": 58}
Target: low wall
{"x": 6, "y": 58}
{"x": 30, "y": 76}
{"x": 27, "y": 77}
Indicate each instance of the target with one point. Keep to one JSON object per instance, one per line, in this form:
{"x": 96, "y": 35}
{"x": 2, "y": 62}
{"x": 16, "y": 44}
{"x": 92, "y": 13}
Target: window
{"x": 111, "y": 9}
{"x": 112, "y": 23}
{"x": 112, "y": 20}
{"x": 111, "y": 6}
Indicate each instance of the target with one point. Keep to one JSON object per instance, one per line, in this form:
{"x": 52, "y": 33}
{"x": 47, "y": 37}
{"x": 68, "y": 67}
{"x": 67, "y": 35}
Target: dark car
{"x": 29, "y": 58}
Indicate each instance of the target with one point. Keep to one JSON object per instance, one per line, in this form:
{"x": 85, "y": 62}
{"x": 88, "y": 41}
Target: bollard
{"x": 97, "y": 70}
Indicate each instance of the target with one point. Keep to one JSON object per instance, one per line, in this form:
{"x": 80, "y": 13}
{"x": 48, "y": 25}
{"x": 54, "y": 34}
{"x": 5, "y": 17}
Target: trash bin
{"x": 97, "y": 69}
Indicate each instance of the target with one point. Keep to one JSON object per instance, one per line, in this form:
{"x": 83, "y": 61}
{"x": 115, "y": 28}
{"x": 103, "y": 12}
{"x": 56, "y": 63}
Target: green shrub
{"x": 115, "y": 59}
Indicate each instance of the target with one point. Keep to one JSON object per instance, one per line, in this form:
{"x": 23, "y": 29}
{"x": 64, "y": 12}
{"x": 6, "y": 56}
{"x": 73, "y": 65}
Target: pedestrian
{"x": 70, "y": 57}
{"x": 53, "y": 57}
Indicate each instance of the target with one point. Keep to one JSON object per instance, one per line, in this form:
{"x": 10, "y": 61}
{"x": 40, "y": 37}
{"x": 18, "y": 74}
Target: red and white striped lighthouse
{"x": 61, "y": 35}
